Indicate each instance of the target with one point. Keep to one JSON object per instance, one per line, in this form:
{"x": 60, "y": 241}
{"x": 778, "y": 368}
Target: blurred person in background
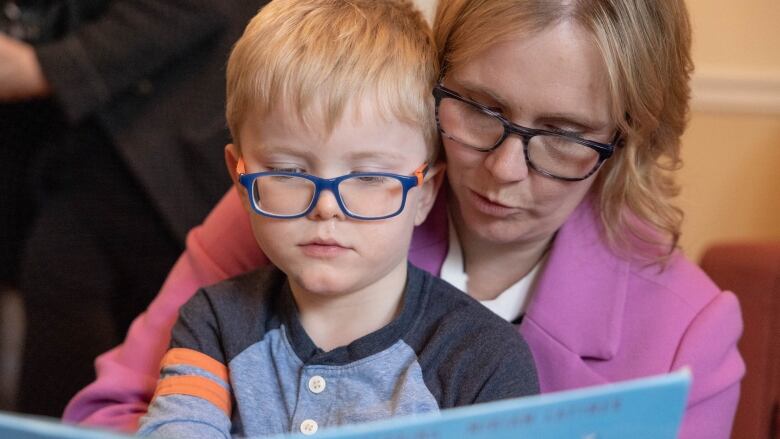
{"x": 28, "y": 121}
{"x": 116, "y": 152}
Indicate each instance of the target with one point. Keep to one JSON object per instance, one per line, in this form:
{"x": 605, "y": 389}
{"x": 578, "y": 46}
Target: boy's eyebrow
{"x": 378, "y": 155}
{"x": 282, "y": 148}
{"x": 384, "y": 156}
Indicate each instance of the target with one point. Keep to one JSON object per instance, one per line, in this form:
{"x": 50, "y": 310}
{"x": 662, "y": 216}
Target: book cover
{"x": 645, "y": 408}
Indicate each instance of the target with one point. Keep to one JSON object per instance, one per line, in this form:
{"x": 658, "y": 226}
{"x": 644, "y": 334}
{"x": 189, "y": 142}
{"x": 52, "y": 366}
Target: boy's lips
{"x": 323, "y": 248}
{"x": 324, "y": 241}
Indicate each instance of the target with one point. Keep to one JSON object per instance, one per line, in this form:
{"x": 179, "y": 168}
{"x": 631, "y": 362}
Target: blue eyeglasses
{"x": 363, "y": 195}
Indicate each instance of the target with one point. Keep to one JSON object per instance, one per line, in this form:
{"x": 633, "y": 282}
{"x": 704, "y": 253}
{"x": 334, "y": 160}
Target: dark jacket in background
{"x": 151, "y": 74}
{"x": 139, "y": 85}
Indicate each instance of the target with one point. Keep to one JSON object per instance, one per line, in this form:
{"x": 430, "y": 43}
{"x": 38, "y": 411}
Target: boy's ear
{"x": 428, "y": 191}
{"x": 231, "y": 160}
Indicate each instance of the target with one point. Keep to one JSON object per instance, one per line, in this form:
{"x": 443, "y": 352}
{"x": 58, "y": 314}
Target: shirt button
{"x": 309, "y": 427}
{"x": 316, "y": 384}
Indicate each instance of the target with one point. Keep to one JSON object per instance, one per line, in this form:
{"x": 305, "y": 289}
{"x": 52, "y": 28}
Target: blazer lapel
{"x": 580, "y": 296}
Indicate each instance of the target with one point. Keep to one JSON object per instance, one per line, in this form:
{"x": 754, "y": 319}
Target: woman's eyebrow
{"x": 577, "y": 121}
{"x": 471, "y": 88}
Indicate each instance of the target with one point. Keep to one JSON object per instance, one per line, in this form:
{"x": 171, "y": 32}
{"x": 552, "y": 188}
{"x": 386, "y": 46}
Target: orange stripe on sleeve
{"x": 197, "y": 386}
{"x": 189, "y": 357}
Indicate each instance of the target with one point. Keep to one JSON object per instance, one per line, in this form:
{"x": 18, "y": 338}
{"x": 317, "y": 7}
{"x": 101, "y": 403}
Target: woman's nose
{"x": 326, "y": 207}
{"x": 507, "y": 163}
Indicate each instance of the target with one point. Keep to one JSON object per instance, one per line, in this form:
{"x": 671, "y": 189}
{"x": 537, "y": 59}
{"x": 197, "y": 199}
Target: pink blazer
{"x": 594, "y": 318}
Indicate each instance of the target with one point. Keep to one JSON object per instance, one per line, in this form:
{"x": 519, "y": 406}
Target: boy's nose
{"x": 327, "y": 207}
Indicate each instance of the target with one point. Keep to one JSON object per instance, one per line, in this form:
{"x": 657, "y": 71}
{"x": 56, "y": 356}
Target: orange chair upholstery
{"x": 752, "y": 272}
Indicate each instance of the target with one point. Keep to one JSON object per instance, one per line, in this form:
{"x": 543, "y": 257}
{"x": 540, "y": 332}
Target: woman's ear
{"x": 428, "y": 192}
{"x": 232, "y": 155}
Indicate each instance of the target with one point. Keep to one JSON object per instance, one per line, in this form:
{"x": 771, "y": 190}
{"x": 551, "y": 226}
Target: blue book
{"x": 646, "y": 408}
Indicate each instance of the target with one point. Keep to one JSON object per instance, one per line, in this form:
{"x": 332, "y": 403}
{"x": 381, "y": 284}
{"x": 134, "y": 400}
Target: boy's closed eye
{"x": 373, "y": 179}
{"x": 291, "y": 169}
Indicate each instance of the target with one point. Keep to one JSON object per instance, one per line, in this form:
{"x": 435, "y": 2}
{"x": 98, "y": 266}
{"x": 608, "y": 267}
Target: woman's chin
{"x": 498, "y": 230}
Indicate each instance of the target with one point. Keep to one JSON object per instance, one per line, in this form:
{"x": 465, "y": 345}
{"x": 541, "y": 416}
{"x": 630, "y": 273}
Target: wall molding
{"x": 736, "y": 91}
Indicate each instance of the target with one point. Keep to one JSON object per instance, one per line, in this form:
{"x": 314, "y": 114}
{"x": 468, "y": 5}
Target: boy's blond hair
{"x": 313, "y": 57}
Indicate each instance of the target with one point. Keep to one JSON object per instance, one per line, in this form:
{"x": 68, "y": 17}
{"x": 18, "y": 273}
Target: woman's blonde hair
{"x": 311, "y": 58}
{"x": 645, "y": 45}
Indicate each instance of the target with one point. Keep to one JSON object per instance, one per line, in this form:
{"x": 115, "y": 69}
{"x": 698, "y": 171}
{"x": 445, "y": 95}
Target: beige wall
{"x": 740, "y": 34}
{"x": 730, "y": 179}
{"x": 731, "y": 175}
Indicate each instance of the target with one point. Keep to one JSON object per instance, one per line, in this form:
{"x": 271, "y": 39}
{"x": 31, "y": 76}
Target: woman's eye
{"x": 493, "y": 108}
{"x": 563, "y": 131}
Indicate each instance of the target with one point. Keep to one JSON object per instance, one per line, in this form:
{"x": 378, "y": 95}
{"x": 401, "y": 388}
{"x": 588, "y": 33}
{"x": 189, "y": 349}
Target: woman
{"x": 560, "y": 122}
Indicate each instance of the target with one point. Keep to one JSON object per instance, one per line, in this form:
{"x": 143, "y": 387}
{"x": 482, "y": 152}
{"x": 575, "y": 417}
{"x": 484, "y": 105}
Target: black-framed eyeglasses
{"x": 362, "y": 195}
{"x": 554, "y": 154}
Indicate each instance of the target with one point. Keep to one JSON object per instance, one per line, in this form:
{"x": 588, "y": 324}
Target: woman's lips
{"x": 487, "y": 207}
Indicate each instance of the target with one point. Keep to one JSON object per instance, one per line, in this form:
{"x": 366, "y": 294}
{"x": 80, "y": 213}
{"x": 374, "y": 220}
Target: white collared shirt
{"x": 511, "y": 303}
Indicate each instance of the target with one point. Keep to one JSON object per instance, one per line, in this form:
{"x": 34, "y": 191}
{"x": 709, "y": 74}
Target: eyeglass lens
{"x": 556, "y": 155}
{"x": 369, "y": 196}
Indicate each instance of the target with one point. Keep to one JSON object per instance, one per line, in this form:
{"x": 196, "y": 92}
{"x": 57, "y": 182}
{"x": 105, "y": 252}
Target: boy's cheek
{"x": 244, "y": 199}
{"x": 266, "y": 235}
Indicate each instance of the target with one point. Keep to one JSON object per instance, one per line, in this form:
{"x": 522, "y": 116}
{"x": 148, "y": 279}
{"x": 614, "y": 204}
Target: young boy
{"x": 335, "y": 159}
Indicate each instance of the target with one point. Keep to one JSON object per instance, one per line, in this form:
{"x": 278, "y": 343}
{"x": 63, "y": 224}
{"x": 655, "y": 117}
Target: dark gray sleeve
{"x": 223, "y": 319}
{"x": 477, "y": 358}
{"x": 467, "y": 353}
{"x": 197, "y": 328}
{"x": 199, "y": 408}
{"x": 129, "y": 41}
{"x": 512, "y": 370}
